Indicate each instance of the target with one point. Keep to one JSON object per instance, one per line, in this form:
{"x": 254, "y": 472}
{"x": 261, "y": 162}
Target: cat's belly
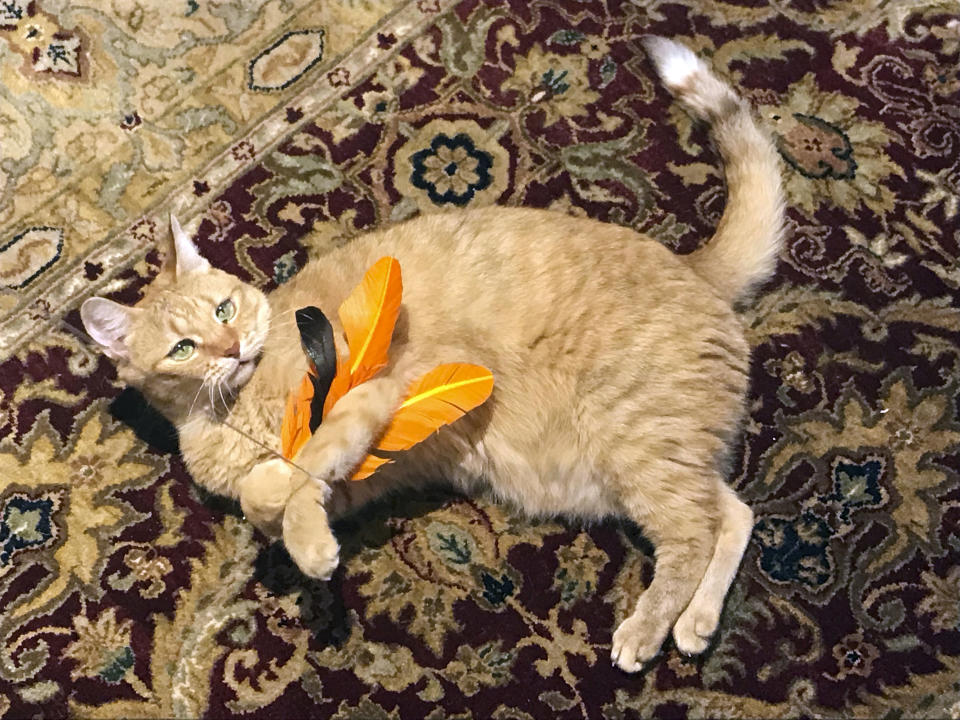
{"x": 545, "y": 483}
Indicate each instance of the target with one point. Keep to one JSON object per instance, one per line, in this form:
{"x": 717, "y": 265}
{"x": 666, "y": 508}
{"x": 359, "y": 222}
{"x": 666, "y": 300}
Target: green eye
{"x": 183, "y": 350}
{"x": 225, "y": 311}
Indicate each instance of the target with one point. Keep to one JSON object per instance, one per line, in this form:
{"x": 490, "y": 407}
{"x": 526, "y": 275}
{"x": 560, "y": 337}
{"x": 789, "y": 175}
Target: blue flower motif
{"x": 26, "y": 523}
{"x": 285, "y": 267}
{"x": 857, "y": 485}
{"x": 451, "y": 170}
{"x": 796, "y": 550}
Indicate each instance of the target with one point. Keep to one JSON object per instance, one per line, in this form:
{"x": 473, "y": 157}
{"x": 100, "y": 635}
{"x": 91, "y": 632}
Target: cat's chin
{"x": 243, "y": 372}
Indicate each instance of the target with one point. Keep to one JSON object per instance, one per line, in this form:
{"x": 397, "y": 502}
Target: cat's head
{"x": 197, "y": 330}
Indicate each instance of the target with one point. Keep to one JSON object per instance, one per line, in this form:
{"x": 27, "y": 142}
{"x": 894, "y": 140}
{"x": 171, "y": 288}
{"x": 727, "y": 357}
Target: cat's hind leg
{"x": 699, "y": 621}
{"x": 676, "y": 507}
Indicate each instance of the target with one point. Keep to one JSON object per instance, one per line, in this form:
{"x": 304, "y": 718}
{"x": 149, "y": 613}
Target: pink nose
{"x": 233, "y": 351}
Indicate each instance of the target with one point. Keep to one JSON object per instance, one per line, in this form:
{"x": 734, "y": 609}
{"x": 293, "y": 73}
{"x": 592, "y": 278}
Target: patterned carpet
{"x": 278, "y": 129}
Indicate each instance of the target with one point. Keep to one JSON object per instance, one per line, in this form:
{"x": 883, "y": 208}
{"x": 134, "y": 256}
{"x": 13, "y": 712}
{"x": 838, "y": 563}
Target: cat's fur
{"x": 621, "y": 371}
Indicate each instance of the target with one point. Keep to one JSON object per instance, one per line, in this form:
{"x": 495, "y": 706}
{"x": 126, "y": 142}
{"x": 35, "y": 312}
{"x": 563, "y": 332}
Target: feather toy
{"x": 316, "y": 338}
{"x": 304, "y": 409}
{"x": 369, "y": 315}
{"x": 443, "y": 395}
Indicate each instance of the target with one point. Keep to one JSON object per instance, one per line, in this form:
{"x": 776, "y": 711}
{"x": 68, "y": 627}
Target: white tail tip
{"x": 675, "y": 63}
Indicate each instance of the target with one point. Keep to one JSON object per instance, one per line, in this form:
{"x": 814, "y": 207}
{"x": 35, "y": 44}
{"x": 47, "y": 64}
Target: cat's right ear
{"x": 108, "y": 323}
{"x": 180, "y": 256}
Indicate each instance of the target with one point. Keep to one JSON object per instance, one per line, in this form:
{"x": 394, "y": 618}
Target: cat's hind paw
{"x": 694, "y": 628}
{"x": 635, "y": 643}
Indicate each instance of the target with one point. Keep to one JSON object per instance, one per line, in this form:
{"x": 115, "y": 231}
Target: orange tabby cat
{"x": 621, "y": 371}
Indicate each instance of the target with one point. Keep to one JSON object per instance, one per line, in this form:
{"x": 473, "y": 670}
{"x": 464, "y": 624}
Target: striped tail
{"x": 743, "y": 252}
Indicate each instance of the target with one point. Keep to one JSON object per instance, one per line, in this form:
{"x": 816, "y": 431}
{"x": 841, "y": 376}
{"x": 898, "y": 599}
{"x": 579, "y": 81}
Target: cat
{"x": 621, "y": 371}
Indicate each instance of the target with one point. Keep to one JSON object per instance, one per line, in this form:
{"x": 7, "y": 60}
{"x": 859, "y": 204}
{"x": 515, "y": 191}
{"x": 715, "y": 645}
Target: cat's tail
{"x": 743, "y": 252}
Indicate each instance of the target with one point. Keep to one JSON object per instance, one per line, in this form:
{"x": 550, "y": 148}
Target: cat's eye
{"x": 183, "y": 350}
{"x": 225, "y": 311}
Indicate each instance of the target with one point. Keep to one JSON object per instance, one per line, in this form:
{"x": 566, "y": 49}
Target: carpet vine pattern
{"x": 277, "y": 131}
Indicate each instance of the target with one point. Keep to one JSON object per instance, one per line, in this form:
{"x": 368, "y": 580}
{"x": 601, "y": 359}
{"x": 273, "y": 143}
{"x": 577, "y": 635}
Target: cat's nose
{"x": 233, "y": 351}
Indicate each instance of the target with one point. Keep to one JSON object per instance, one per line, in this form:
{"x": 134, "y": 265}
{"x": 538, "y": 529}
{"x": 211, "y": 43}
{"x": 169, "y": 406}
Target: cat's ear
{"x": 181, "y": 256}
{"x": 108, "y": 323}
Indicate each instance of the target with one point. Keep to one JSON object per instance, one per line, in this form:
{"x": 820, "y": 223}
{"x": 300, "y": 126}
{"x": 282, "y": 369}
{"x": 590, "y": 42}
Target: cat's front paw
{"x": 307, "y": 535}
{"x": 264, "y": 493}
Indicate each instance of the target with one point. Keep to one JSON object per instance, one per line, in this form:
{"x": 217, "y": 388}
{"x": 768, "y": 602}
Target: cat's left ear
{"x": 181, "y": 256}
{"x": 108, "y": 323}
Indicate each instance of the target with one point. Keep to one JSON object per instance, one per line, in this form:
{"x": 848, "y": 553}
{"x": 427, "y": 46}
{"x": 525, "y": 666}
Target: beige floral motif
{"x": 682, "y": 667}
{"x": 578, "y": 567}
{"x": 557, "y": 84}
{"x": 854, "y": 656}
{"x": 880, "y": 246}
{"x": 219, "y": 214}
{"x": 339, "y": 77}
{"x": 944, "y": 189}
{"x": 915, "y": 428}
{"x": 595, "y": 48}
{"x": 792, "y": 371}
{"x": 102, "y": 650}
{"x": 453, "y": 163}
{"x": 93, "y": 514}
{"x": 464, "y": 174}
{"x": 475, "y": 668}
{"x": 148, "y": 567}
{"x": 391, "y": 666}
{"x": 398, "y": 74}
{"x": 837, "y": 155}
{"x": 86, "y": 469}
{"x": 100, "y": 646}
{"x": 943, "y": 602}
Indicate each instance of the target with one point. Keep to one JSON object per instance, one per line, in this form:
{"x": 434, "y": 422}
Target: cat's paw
{"x": 694, "y": 628}
{"x": 307, "y": 535}
{"x": 636, "y": 642}
{"x": 264, "y": 492}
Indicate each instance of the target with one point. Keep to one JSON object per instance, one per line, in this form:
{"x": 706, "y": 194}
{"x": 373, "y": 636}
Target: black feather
{"x": 316, "y": 338}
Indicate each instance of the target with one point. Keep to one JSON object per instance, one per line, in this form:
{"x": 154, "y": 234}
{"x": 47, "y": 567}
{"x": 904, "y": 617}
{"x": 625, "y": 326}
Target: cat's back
{"x": 523, "y": 273}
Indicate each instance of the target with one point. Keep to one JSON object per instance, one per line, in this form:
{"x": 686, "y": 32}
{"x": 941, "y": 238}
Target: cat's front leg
{"x": 350, "y": 430}
{"x": 330, "y": 455}
{"x": 281, "y": 502}
{"x": 264, "y": 493}
{"x": 307, "y": 534}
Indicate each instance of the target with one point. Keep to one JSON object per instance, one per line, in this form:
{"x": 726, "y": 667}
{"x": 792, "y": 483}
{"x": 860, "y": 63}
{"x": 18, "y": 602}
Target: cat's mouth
{"x": 244, "y": 370}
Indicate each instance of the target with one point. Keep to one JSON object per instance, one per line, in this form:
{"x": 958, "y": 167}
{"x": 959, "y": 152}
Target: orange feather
{"x": 442, "y": 396}
{"x": 339, "y": 386}
{"x": 369, "y": 466}
{"x": 368, "y": 316}
{"x": 295, "y": 430}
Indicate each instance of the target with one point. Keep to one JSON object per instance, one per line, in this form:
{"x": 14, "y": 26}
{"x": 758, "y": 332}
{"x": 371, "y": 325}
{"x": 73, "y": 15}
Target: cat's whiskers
{"x": 226, "y": 407}
{"x": 195, "y": 398}
{"x": 213, "y": 405}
